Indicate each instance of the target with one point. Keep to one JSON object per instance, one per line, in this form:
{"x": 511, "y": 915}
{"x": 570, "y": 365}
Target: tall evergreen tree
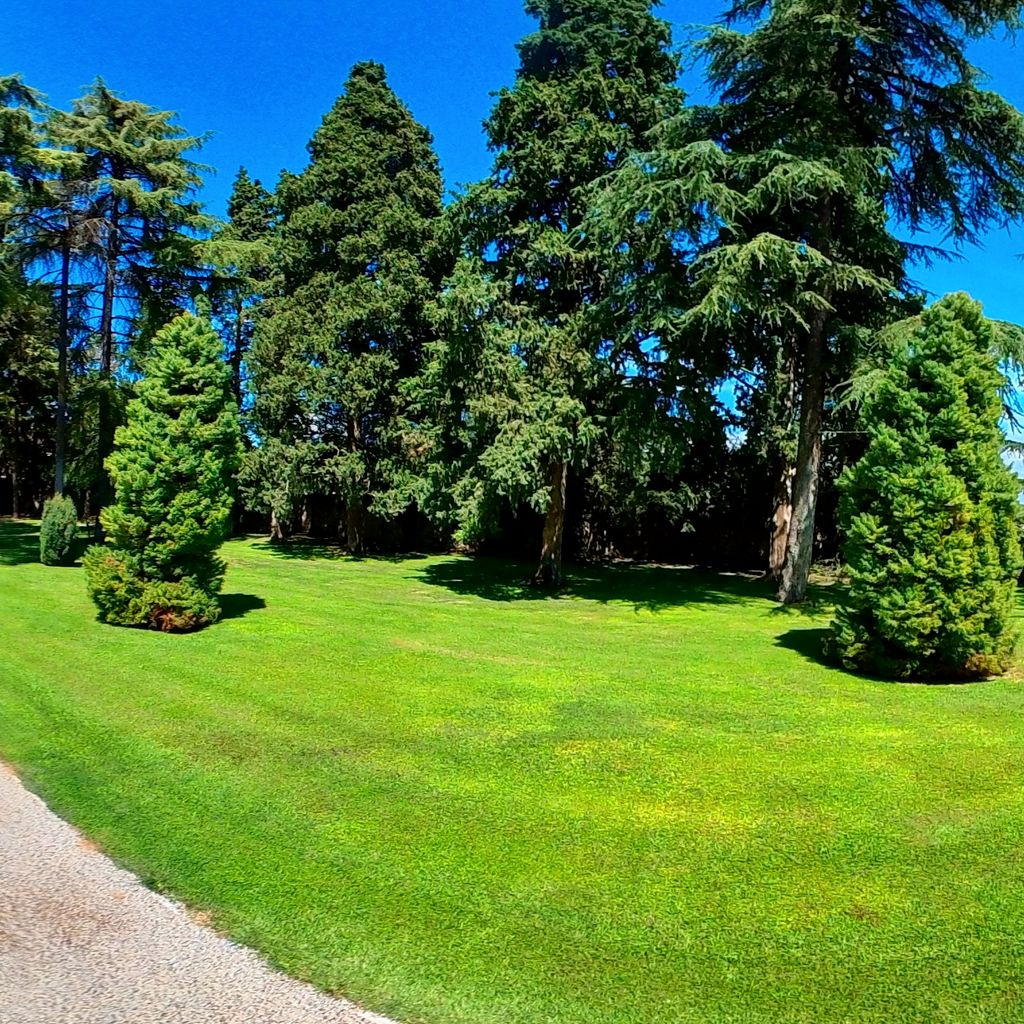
{"x": 833, "y": 117}
{"x": 930, "y": 511}
{"x": 521, "y": 388}
{"x": 134, "y": 182}
{"x": 357, "y": 264}
{"x": 240, "y": 253}
{"x": 173, "y": 470}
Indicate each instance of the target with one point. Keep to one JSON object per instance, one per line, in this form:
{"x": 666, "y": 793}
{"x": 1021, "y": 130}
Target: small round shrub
{"x": 125, "y": 597}
{"x": 58, "y": 531}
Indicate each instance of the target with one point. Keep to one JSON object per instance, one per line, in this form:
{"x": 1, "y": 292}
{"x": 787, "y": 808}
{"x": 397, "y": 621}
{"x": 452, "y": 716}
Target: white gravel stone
{"x": 84, "y": 942}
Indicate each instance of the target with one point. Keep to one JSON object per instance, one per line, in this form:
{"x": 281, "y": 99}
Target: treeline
{"x": 646, "y": 333}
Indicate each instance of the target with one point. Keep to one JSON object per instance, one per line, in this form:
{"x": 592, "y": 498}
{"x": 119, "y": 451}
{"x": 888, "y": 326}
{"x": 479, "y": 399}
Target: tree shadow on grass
{"x": 811, "y": 644}
{"x": 19, "y": 542}
{"x": 651, "y": 588}
{"x": 304, "y": 549}
{"x": 237, "y": 606}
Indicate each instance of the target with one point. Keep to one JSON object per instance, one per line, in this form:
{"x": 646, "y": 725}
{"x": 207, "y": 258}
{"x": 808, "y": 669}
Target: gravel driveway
{"x": 83, "y": 942}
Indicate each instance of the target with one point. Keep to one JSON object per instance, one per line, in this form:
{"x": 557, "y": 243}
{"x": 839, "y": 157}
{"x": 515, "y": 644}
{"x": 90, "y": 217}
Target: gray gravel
{"x": 83, "y": 942}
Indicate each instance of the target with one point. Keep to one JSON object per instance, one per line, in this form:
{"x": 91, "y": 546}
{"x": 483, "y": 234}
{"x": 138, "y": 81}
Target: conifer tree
{"x": 930, "y": 511}
{"x": 240, "y": 253}
{"x": 357, "y": 264}
{"x": 133, "y": 184}
{"x": 518, "y": 388}
{"x": 832, "y": 117}
{"x": 173, "y": 469}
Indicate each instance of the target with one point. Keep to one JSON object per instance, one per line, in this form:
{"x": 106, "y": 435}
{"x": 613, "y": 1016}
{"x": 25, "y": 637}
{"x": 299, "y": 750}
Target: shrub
{"x": 58, "y": 531}
{"x": 172, "y": 468}
{"x": 929, "y": 513}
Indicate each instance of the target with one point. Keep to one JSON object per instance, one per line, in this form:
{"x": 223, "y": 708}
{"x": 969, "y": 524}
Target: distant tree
{"x": 130, "y": 193}
{"x": 27, "y": 390}
{"x": 58, "y": 531}
{"x": 173, "y": 468}
{"x": 930, "y": 512}
{"x": 357, "y": 265}
{"x": 240, "y": 253}
{"x": 530, "y": 372}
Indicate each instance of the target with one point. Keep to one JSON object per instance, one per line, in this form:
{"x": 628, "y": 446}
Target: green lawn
{"x": 418, "y": 785}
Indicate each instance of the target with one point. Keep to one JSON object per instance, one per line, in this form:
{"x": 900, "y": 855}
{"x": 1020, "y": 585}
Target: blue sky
{"x": 259, "y": 76}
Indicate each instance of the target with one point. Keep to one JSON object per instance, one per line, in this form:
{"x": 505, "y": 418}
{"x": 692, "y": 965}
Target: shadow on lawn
{"x": 304, "y": 549}
{"x": 19, "y": 542}
{"x": 237, "y": 606}
{"x": 648, "y": 587}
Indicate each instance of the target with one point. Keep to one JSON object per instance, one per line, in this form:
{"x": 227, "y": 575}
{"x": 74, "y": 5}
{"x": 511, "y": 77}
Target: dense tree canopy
{"x": 357, "y": 263}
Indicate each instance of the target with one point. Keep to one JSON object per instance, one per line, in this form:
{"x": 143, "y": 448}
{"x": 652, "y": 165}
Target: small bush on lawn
{"x": 58, "y": 531}
{"x": 172, "y": 468}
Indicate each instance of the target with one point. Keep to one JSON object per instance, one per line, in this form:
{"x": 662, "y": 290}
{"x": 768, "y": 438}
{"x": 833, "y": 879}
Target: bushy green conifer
{"x": 172, "y": 469}
{"x": 929, "y": 512}
{"x": 58, "y": 531}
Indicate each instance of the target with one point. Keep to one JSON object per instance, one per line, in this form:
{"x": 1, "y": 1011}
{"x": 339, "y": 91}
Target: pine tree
{"x": 357, "y": 265}
{"x": 240, "y": 253}
{"x": 930, "y": 511}
{"x": 521, "y": 387}
{"x": 133, "y": 185}
{"x": 832, "y": 117}
{"x": 173, "y": 469}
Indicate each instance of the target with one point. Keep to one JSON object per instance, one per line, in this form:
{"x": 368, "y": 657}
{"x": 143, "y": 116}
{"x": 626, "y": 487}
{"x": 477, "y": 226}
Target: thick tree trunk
{"x": 782, "y": 497}
{"x": 63, "y": 343}
{"x": 782, "y": 516}
{"x": 549, "y": 572}
{"x": 797, "y": 569}
{"x": 277, "y": 530}
{"x": 353, "y": 503}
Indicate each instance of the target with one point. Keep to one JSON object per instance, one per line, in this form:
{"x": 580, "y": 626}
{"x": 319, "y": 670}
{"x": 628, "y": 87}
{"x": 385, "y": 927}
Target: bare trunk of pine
{"x": 549, "y": 572}
{"x": 63, "y": 343}
{"x": 277, "y": 531}
{"x": 353, "y": 504}
{"x": 782, "y": 516}
{"x": 797, "y": 569}
{"x": 236, "y": 357}
{"x": 106, "y": 416}
{"x": 15, "y": 491}
{"x": 782, "y": 497}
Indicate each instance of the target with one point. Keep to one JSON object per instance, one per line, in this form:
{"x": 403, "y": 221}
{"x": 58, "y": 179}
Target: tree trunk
{"x": 797, "y": 569}
{"x": 549, "y": 572}
{"x": 63, "y": 343}
{"x": 15, "y": 491}
{"x": 277, "y": 530}
{"x": 353, "y": 503}
{"x": 782, "y": 497}
{"x": 236, "y": 357}
{"x": 106, "y": 416}
{"x": 782, "y": 516}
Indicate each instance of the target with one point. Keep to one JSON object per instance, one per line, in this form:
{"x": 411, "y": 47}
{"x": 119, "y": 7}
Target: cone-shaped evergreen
{"x": 525, "y": 370}
{"x": 357, "y": 265}
{"x": 172, "y": 469}
{"x": 929, "y": 512}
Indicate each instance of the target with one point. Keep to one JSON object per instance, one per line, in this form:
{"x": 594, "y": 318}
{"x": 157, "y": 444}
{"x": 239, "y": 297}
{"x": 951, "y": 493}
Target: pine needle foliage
{"x": 357, "y": 265}
{"x": 930, "y": 511}
{"x": 172, "y": 468}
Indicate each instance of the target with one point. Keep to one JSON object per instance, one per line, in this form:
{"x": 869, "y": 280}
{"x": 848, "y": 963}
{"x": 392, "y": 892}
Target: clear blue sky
{"x": 260, "y": 75}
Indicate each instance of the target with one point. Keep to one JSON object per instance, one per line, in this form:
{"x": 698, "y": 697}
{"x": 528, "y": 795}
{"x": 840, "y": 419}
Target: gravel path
{"x": 83, "y": 942}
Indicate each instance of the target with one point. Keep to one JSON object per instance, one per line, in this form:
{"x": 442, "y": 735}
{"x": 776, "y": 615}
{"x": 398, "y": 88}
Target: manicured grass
{"x": 412, "y": 782}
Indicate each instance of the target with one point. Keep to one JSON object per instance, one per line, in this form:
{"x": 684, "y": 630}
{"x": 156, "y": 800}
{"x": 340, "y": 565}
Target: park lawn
{"x": 418, "y": 785}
